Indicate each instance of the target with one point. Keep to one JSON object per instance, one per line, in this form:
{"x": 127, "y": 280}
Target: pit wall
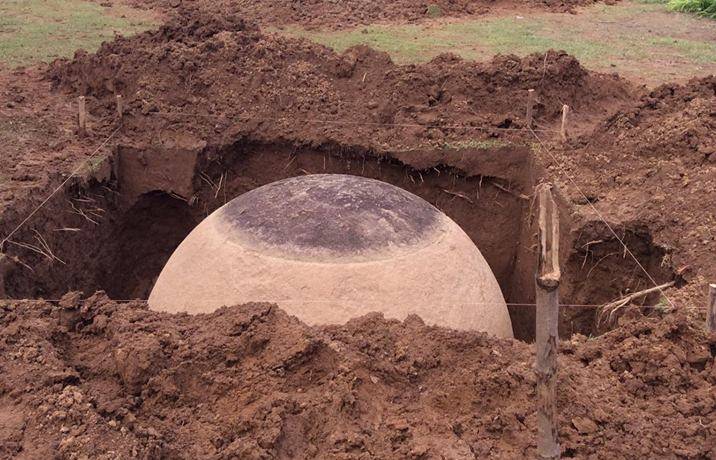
{"x": 489, "y": 203}
{"x": 121, "y": 227}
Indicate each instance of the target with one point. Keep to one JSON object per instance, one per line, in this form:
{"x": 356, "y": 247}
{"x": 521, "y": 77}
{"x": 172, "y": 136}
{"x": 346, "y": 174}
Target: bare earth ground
{"x": 642, "y": 42}
{"x": 101, "y": 380}
{"x": 346, "y": 13}
{"x": 97, "y": 378}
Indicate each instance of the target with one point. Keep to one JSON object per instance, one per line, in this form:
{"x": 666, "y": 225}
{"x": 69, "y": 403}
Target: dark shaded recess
{"x": 124, "y": 252}
{"x": 140, "y": 244}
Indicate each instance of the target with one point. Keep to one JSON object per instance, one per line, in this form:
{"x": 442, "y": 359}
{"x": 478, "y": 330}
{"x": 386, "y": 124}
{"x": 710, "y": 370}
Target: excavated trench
{"x": 115, "y": 230}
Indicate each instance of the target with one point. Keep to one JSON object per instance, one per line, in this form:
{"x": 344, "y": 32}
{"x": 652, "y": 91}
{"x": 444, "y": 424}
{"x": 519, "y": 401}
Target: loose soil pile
{"x": 227, "y": 76}
{"x": 346, "y": 13}
{"x": 95, "y": 379}
{"x": 654, "y": 165}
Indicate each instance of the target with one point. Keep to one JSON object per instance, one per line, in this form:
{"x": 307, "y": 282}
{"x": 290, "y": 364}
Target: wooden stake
{"x": 711, "y": 310}
{"x": 120, "y": 107}
{"x": 530, "y": 106}
{"x": 563, "y": 129}
{"x": 547, "y": 281}
{"x": 82, "y": 117}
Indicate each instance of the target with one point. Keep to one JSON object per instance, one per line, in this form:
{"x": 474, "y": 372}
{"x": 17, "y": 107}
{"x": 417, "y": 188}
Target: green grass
{"x": 434, "y": 11}
{"x": 700, "y": 52}
{"x": 478, "y": 144}
{"x": 706, "y": 8}
{"x": 470, "y": 39}
{"x": 639, "y": 40}
{"x": 40, "y": 30}
{"x": 477, "y": 39}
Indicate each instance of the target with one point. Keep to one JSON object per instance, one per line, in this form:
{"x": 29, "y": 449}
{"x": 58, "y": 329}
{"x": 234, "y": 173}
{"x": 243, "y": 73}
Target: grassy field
{"x": 40, "y": 30}
{"x": 643, "y": 41}
{"x": 705, "y": 8}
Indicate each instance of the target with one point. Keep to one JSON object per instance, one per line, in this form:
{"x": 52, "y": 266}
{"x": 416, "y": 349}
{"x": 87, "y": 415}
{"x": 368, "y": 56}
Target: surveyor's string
{"x": 57, "y": 189}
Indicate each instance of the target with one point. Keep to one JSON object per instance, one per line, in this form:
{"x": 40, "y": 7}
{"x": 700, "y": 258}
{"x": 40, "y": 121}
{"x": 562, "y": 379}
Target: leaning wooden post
{"x": 530, "y": 106}
{"x": 82, "y": 117}
{"x": 711, "y": 310}
{"x": 563, "y": 130}
{"x": 120, "y": 107}
{"x": 547, "y": 283}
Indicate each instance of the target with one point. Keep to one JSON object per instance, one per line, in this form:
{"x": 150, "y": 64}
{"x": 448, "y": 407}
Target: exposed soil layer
{"x": 101, "y": 380}
{"x": 214, "y": 109}
{"x": 654, "y": 164}
{"x": 127, "y": 227}
{"x": 199, "y": 92}
{"x": 346, "y": 13}
{"x": 230, "y": 79}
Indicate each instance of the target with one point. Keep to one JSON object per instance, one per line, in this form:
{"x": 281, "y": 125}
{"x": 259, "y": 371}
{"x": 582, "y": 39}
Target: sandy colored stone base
{"x": 446, "y": 281}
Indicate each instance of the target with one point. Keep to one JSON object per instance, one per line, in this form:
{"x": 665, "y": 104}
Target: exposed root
{"x": 607, "y": 312}
{"x": 214, "y": 186}
{"x": 459, "y": 195}
{"x": 41, "y": 248}
{"x": 511, "y": 192}
{"x": 16, "y": 260}
{"x": 222, "y": 179}
{"x": 80, "y": 212}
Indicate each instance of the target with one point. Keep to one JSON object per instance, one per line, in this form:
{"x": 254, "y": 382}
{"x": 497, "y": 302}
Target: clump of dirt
{"x": 346, "y": 13}
{"x": 210, "y": 75}
{"x": 653, "y": 165}
{"x": 98, "y": 379}
{"x": 670, "y": 120}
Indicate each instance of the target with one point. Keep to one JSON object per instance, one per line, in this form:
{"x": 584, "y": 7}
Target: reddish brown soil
{"x": 654, "y": 164}
{"x": 226, "y": 77}
{"x": 252, "y": 383}
{"x": 218, "y": 81}
{"x": 219, "y": 78}
{"x": 102, "y": 380}
{"x": 346, "y": 13}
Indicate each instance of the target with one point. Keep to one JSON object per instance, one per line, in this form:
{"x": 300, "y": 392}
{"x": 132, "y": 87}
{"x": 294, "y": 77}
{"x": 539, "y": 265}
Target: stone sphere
{"x": 328, "y": 248}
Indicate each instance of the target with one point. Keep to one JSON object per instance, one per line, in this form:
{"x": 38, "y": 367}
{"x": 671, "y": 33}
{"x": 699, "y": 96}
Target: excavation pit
{"x": 116, "y": 234}
{"x": 330, "y": 248}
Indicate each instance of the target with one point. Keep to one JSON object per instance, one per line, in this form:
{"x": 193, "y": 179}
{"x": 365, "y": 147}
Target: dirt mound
{"x": 345, "y": 13}
{"x": 227, "y": 77}
{"x": 99, "y": 379}
{"x": 670, "y": 120}
{"x": 653, "y": 165}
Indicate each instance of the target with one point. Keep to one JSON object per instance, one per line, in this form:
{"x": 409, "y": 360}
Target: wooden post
{"x": 547, "y": 315}
{"x": 711, "y": 310}
{"x": 120, "y": 107}
{"x": 530, "y": 106}
{"x": 82, "y": 117}
{"x": 563, "y": 129}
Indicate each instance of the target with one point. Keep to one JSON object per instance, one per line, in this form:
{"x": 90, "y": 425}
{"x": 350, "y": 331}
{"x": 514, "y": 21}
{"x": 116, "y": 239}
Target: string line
{"x": 601, "y": 217}
{"x": 57, "y": 189}
{"x": 357, "y": 123}
{"x": 334, "y": 302}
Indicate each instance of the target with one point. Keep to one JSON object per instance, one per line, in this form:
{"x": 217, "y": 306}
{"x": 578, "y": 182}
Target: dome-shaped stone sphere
{"x": 327, "y": 248}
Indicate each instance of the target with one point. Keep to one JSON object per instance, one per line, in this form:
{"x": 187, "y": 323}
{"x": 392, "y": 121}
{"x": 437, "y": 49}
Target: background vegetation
{"x": 705, "y": 8}
{"x": 643, "y": 41}
{"x": 42, "y": 30}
